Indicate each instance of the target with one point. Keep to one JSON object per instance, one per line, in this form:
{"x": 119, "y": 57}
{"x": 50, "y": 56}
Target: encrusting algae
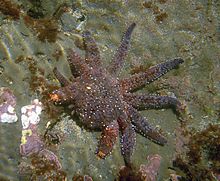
{"x": 46, "y": 29}
{"x": 201, "y": 160}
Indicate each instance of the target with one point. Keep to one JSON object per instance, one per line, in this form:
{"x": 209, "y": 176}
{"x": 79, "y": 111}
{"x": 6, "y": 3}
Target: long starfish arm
{"x": 108, "y": 138}
{"x": 127, "y": 140}
{"x": 76, "y": 63}
{"x": 144, "y": 128}
{"x": 92, "y": 56}
{"x": 153, "y": 73}
{"x": 63, "y": 81}
{"x": 118, "y": 59}
{"x": 140, "y": 101}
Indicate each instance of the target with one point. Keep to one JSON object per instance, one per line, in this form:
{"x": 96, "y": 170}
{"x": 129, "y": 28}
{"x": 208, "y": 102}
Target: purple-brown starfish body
{"x": 106, "y": 103}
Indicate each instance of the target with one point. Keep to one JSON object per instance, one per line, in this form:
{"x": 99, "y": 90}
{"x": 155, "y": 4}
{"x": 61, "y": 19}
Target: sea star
{"x": 105, "y": 102}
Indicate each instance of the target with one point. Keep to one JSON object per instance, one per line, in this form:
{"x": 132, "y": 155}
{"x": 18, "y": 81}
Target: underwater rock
{"x": 30, "y": 141}
{"x": 198, "y": 154}
{"x": 46, "y": 29}
{"x": 7, "y": 106}
{"x": 10, "y": 9}
{"x": 81, "y": 178}
{"x": 48, "y": 158}
{"x": 146, "y": 172}
{"x": 174, "y": 177}
{"x": 44, "y": 163}
{"x": 149, "y": 171}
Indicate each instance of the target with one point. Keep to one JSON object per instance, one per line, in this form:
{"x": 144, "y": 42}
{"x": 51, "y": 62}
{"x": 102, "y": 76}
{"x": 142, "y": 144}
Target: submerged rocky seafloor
{"x": 34, "y": 36}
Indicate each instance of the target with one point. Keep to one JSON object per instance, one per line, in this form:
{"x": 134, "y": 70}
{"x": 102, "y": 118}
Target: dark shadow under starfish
{"x": 105, "y": 102}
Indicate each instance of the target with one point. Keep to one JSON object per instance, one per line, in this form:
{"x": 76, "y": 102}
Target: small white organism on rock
{"x": 7, "y": 106}
{"x": 30, "y": 113}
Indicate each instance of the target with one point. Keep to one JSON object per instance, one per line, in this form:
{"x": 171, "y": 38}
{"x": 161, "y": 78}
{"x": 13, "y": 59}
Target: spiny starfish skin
{"x": 105, "y": 102}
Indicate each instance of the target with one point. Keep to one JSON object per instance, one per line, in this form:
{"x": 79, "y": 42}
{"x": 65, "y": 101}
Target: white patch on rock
{"x": 8, "y": 118}
{"x": 7, "y": 106}
{"x": 31, "y": 113}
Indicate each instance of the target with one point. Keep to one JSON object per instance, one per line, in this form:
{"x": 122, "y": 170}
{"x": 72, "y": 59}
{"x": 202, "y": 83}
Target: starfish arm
{"x": 76, "y": 63}
{"x": 127, "y": 139}
{"x": 92, "y": 54}
{"x": 118, "y": 59}
{"x": 153, "y": 73}
{"x": 63, "y": 81}
{"x": 108, "y": 138}
{"x": 140, "y": 101}
{"x": 144, "y": 128}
